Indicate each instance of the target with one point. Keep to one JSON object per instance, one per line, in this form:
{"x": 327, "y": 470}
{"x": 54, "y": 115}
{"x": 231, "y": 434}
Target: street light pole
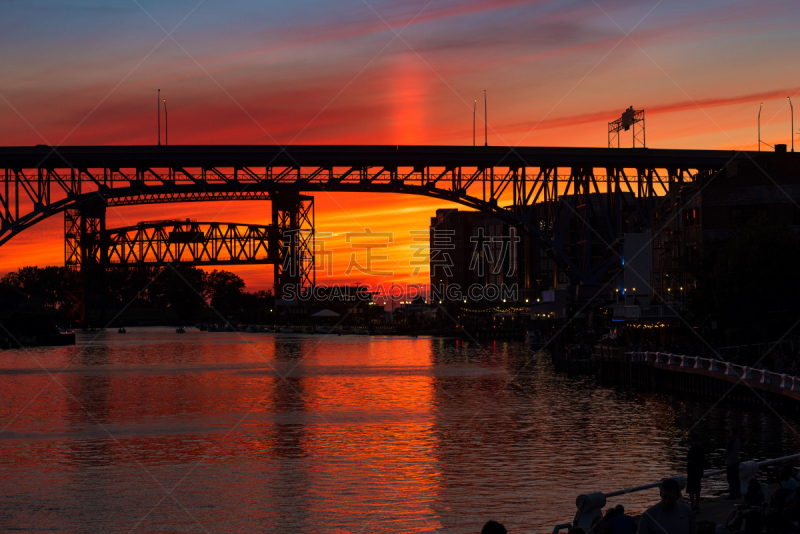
{"x": 166, "y": 124}
{"x": 474, "y": 107}
{"x": 485, "y": 121}
{"x": 792, "y": 130}
{"x": 759, "y": 125}
{"x": 158, "y": 102}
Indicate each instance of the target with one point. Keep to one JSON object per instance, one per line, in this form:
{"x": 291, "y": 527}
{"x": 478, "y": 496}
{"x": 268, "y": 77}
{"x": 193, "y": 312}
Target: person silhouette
{"x": 493, "y": 527}
{"x": 669, "y": 516}
{"x": 695, "y": 460}
{"x": 732, "y": 460}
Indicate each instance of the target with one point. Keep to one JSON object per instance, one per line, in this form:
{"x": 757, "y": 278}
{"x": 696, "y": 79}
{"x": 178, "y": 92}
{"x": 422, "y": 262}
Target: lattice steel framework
{"x": 85, "y": 255}
{"x": 631, "y": 118}
{"x": 84, "y": 230}
{"x": 288, "y": 244}
{"x": 293, "y": 219}
{"x": 189, "y": 243}
{"x": 41, "y": 181}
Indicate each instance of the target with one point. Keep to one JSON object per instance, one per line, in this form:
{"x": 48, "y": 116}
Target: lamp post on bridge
{"x": 166, "y": 124}
{"x": 761, "y": 105}
{"x": 792, "y": 130}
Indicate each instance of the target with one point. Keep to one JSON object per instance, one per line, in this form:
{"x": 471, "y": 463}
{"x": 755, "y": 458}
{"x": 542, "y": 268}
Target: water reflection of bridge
{"x": 83, "y": 181}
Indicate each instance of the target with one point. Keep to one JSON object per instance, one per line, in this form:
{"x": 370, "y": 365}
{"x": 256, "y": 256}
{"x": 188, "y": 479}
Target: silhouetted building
{"x": 463, "y": 241}
{"x": 477, "y": 257}
{"x": 762, "y": 190}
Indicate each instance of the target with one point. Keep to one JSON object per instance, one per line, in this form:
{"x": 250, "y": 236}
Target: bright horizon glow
{"x": 331, "y": 72}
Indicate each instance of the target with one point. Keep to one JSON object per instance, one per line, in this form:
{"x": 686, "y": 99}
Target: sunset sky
{"x": 379, "y": 72}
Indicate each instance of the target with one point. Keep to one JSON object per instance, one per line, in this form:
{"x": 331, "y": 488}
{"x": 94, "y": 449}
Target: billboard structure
{"x": 631, "y": 119}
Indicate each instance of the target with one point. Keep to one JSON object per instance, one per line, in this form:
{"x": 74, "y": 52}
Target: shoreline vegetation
{"x": 35, "y": 302}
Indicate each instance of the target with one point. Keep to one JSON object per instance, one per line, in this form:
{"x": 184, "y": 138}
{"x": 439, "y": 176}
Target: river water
{"x": 223, "y": 432}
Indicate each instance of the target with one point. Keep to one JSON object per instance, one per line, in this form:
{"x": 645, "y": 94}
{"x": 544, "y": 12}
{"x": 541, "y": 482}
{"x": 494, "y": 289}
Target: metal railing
{"x": 761, "y": 376}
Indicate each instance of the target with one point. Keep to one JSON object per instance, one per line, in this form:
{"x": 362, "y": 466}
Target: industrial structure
{"x": 570, "y": 206}
{"x": 752, "y": 192}
{"x": 631, "y": 118}
{"x": 90, "y": 248}
{"x": 658, "y": 259}
{"x": 38, "y": 182}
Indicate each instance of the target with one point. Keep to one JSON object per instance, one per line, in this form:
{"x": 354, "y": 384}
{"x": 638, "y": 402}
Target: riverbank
{"x": 32, "y": 330}
{"x": 48, "y": 340}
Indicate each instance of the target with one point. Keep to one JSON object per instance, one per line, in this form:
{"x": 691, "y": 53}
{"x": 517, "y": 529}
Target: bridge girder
{"x": 41, "y": 181}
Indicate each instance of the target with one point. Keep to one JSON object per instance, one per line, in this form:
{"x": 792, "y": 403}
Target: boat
{"x": 180, "y": 330}
{"x": 323, "y": 330}
{"x": 286, "y": 330}
{"x": 121, "y": 330}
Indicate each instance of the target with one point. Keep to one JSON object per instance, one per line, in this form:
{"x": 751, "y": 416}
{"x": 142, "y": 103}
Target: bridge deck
{"x": 355, "y": 155}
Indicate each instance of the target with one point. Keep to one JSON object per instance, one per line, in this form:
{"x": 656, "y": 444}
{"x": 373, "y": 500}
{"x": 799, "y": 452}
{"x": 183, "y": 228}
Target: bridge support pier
{"x": 86, "y": 259}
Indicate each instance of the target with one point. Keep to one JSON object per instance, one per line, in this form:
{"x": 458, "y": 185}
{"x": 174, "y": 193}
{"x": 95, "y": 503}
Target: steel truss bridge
{"x": 91, "y": 249}
{"x": 570, "y": 224}
{"x": 158, "y": 243}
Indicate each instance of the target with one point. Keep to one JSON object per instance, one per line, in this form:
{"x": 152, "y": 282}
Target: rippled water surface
{"x": 219, "y": 432}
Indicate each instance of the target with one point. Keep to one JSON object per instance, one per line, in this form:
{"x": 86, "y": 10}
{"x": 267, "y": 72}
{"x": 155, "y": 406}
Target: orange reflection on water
{"x": 263, "y": 432}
